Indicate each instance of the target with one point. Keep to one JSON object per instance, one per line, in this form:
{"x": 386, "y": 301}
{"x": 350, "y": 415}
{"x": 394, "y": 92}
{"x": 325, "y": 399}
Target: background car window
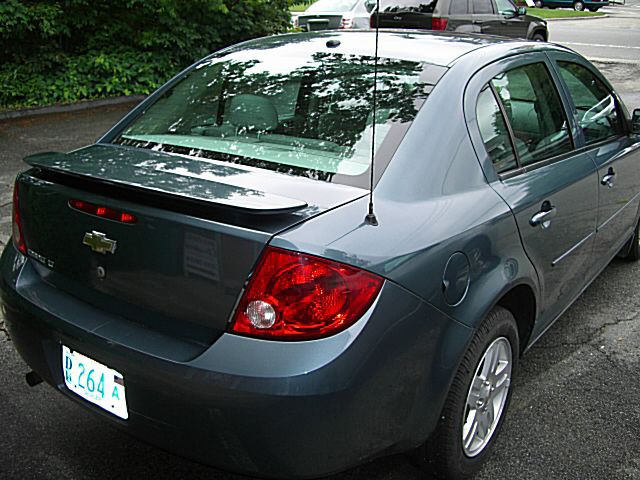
{"x": 458, "y": 6}
{"x": 535, "y": 113}
{"x": 332, "y": 6}
{"x": 505, "y": 7}
{"x": 482, "y": 6}
{"x": 597, "y": 113}
{"x": 396, "y": 6}
{"x": 493, "y": 130}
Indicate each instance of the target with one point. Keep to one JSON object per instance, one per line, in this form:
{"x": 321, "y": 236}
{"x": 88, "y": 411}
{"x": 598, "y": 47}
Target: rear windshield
{"x": 308, "y": 114}
{"x": 332, "y": 6}
{"x": 397, "y": 6}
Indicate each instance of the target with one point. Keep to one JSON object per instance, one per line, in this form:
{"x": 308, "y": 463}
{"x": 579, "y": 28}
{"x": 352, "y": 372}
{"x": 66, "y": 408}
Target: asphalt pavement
{"x": 574, "y": 413}
{"x": 614, "y": 37}
{"x": 611, "y": 43}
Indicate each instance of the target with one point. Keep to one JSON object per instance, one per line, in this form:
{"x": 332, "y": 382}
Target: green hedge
{"x": 67, "y": 50}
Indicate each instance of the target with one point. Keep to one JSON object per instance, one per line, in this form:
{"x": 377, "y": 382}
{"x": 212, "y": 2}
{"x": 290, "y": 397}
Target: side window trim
{"x": 534, "y": 166}
{"x": 512, "y": 138}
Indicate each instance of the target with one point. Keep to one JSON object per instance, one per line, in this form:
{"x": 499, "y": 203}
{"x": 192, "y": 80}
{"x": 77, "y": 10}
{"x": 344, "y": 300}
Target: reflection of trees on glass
{"x": 311, "y": 118}
{"x": 418, "y": 6}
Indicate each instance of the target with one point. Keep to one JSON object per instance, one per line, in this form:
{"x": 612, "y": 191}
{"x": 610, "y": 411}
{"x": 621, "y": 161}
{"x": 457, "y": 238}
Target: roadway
{"x": 612, "y": 43}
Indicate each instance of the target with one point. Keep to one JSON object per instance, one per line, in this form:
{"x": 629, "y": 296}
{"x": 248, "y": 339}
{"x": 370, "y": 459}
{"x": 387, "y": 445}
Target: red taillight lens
{"x": 346, "y": 23}
{"x": 439, "y": 23}
{"x": 295, "y": 296}
{"x": 102, "y": 212}
{"x": 18, "y": 236}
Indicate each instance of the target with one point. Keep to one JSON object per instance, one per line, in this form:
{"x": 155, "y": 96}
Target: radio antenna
{"x": 371, "y": 218}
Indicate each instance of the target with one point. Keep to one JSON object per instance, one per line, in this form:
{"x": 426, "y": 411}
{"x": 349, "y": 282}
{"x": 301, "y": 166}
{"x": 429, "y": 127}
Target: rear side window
{"x": 596, "y": 105}
{"x": 535, "y": 113}
{"x": 493, "y": 130}
{"x": 505, "y": 7}
{"x": 482, "y": 6}
{"x": 458, "y": 7}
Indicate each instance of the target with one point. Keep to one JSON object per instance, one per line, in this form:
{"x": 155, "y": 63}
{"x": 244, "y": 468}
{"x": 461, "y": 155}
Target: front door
{"x": 601, "y": 122}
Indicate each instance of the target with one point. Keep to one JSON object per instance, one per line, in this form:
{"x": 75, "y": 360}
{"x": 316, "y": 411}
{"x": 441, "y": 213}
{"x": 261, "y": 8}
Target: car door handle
{"x": 608, "y": 178}
{"x": 544, "y": 216}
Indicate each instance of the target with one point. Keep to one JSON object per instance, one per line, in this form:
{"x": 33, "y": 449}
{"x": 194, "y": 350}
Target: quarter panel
{"x": 432, "y": 201}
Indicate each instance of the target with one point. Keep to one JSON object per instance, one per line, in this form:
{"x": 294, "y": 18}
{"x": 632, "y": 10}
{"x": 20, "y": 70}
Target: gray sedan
{"x": 295, "y": 257}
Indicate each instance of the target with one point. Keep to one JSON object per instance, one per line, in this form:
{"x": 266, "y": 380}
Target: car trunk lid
{"x": 321, "y": 21}
{"x": 199, "y": 228}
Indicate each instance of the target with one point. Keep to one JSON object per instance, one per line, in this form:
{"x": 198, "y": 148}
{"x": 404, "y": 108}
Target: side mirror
{"x": 522, "y": 10}
{"x": 635, "y": 121}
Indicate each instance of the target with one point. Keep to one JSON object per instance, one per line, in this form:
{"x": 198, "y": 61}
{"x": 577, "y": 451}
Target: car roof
{"x": 436, "y": 48}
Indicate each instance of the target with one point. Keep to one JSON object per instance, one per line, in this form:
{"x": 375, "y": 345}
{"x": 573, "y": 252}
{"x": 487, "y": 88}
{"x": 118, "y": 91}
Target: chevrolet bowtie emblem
{"x": 99, "y": 243}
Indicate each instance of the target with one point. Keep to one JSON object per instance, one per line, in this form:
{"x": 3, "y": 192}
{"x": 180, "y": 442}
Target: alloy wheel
{"x": 487, "y": 396}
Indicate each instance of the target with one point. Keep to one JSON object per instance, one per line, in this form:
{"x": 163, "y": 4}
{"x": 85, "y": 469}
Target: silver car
{"x": 337, "y": 14}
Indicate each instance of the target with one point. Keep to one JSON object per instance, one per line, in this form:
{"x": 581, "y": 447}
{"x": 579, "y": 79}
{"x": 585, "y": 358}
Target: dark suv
{"x": 493, "y": 17}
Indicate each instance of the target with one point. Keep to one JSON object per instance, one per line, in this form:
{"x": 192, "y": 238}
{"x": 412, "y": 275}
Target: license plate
{"x": 94, "y": 382}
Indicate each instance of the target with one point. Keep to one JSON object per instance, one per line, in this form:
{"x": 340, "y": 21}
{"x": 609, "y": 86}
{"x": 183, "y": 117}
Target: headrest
{"x": 253, "y": 112}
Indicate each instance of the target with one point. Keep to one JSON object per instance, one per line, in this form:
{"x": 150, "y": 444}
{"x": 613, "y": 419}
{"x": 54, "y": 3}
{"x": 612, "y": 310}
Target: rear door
{"x": 508, "y": 22}
{"x": 484, "y": 16}
{"x": 602, "y": 127}
{"x": 531, "y": 161}
{"x": 460, "y": 17}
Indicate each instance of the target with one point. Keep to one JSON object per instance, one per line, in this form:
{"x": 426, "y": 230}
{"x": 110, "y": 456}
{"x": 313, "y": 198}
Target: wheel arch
{"x": 520, "y": 301}
{"x": 542, "y": 31}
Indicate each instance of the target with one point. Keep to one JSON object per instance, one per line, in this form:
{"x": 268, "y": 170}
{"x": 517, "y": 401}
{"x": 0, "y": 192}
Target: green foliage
{"x": 67, "y": 50}
{"x": 560, "y": 13}
{"x": 300, "y": 5}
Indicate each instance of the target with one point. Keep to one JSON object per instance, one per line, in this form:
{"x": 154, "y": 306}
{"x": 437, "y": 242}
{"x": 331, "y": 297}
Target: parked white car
{"x": 337, "y": 14}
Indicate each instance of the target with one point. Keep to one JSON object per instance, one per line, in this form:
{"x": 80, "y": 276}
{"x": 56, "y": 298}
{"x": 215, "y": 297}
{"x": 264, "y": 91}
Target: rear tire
{"x": 477, "y": 401}
{"x": 578, "y": 6}
{"x": 538, "y": 37}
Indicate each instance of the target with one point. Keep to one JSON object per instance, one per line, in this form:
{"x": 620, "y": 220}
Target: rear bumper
{"x": 273, "y": 409}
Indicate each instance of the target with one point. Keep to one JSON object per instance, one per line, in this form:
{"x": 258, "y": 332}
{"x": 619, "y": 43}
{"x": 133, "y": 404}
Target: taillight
{"x": 373, "y": 19}
{"x": 102, "y": 212}
{"x": 295, "y": 296}
{"x": 18, "y": 236}
{"x": 438, "y": 23}
{"x": 346, "y": 23}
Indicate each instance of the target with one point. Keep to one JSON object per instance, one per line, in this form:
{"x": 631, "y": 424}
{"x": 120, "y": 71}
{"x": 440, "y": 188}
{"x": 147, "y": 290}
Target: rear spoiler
{"x": 117, "y": 170}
